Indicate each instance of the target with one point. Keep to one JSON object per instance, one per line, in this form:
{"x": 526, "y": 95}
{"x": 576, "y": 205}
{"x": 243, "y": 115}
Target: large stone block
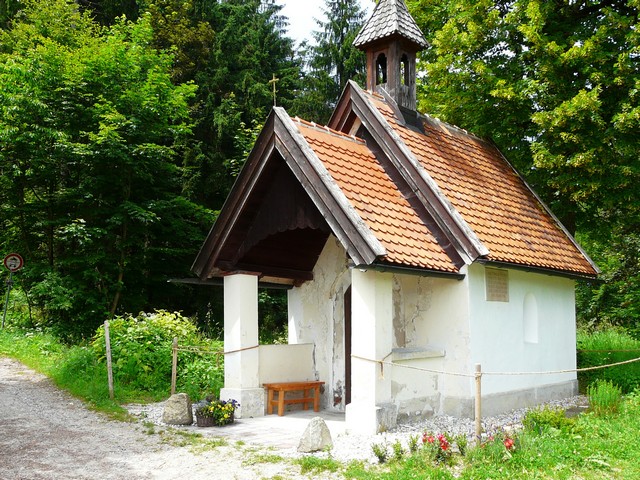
{"x": 178, "y": 410}
{"x": 316, "y": 437}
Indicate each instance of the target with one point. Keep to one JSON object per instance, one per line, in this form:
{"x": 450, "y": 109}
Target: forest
{"x": 125, "y": 122}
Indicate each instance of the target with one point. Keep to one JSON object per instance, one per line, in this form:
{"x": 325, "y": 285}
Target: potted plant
{"x": 216, "y": 413}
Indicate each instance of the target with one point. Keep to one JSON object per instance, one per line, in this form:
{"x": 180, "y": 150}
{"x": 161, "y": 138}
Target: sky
{"x": 301, "y": 14}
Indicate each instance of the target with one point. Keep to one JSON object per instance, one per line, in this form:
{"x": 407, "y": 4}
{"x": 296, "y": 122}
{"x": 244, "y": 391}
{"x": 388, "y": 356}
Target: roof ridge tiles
{"x": 326, "y": 129}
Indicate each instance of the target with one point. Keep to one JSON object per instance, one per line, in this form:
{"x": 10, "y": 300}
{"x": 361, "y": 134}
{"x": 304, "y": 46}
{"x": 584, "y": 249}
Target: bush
{"x": 603, "y": 347}
{"x": 545, "y": 419}
{"x": 141, "y": 349}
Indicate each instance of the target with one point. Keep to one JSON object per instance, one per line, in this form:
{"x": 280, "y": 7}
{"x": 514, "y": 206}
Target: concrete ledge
{"x": 415, "y": 353}
{"x": 497, "y": 403}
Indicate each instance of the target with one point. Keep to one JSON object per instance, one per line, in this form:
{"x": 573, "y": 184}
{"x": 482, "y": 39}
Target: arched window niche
{"x": 530, "y": 318}
{"x": 381, "y": 69}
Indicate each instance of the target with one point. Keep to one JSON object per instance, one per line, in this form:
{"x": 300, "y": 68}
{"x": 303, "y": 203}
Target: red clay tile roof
{"x": 491, "y": 197}
{"x": 377, "y": 200}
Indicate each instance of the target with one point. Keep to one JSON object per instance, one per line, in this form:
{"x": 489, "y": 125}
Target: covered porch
{"x": 322, "y": 349}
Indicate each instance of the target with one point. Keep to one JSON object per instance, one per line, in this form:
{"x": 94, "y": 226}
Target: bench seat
{"x": 307, "y": 388}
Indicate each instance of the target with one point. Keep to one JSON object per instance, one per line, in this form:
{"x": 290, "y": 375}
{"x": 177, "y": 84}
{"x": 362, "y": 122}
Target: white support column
{"x": 371, "y": 409}
{"x": 241, "y": 367}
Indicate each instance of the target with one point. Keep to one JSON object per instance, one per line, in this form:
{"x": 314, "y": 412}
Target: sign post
{"x": 13, "y": 262}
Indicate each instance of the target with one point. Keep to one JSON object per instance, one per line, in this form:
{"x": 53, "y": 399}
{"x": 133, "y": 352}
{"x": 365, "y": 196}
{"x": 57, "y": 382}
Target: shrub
{"x": 604, "y": 397}
{"x": 542, "y": 420}
{"x": 380, "y": 451}
{"x": 398, "y": 451}
{"x": 141, "y": 349}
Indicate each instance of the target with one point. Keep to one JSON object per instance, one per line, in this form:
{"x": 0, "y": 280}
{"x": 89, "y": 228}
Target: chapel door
{"x": 347, "y": 346}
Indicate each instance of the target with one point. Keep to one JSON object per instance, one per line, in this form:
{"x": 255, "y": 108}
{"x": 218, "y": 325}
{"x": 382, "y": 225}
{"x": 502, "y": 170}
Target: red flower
{"x": 509, "y": 443}
{"x": 427, "y": 438}
{"x": 444, "y": 443}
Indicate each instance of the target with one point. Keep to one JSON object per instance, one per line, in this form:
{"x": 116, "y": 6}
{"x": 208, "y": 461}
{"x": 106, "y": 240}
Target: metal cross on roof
{"x": 273, "y": 81}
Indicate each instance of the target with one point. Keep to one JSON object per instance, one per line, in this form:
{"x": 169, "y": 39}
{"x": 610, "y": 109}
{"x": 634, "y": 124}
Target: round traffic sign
{"x": 13, "y": 262}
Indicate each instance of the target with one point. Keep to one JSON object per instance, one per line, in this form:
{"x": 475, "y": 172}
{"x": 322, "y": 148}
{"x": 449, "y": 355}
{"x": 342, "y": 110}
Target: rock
{"x": 177, "y": 410}
{"x": 315, "y": 437}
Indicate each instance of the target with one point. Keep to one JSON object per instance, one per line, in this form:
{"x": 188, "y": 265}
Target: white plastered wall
{"x": 316, "y": 316}
{"x": 534, "y": 330}
{"x": 431, "y": 331}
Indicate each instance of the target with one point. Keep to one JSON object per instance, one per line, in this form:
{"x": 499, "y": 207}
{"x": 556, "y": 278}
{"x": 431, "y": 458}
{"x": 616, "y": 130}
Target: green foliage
{"x": 315, "y": 465}
{"x": 381, "y": 452}
{"x": 75, "y": 368}
{"x": 332, "y": 61}
{"x": 437, "y": 447}
{"x": 272, "y": 307}
{"x": 606, "y": 346}
{"x": 201, "y": 372}
{"x": 547, "y": 419}
{"x": 398, "y": 450}
{"x": 498, "y": 448}
{"x": 614, "y": 301}
{"x": 141, "y": 349}
{"x": 92, "y": 124}
{"x": 413, "y": 443}
{"x": 604, "y": 397}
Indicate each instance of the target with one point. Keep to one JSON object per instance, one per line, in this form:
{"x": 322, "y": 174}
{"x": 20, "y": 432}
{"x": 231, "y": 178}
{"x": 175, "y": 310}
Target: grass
{"x": 604, "y": 397}
{"x": 606, "y": 339}
{"x": 315, "y": 465}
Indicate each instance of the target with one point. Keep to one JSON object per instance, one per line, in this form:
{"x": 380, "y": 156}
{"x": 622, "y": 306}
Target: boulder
{"x": 178, "y": 410}
{"x": 316, "y": 437}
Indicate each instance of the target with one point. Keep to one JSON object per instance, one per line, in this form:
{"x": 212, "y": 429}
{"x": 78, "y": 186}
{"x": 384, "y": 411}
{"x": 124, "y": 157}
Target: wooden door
{"x": 347, "y": 346}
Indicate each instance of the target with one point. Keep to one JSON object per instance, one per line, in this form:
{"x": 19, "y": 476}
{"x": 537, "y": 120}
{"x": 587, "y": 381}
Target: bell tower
{"x": 391, "y": 39}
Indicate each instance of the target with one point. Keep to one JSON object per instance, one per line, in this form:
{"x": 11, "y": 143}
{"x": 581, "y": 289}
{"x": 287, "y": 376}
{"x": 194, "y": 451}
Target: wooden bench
{"x": 305, "y": 387}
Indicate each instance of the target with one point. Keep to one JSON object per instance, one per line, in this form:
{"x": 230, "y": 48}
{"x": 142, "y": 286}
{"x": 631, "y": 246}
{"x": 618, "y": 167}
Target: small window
{"x": 381, "y": 69}
{"x": 404, "y": 70}
{"x": 497, "y": 285}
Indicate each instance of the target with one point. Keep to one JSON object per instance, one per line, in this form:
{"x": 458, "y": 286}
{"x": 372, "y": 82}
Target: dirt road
{"x": 47, "y": 434}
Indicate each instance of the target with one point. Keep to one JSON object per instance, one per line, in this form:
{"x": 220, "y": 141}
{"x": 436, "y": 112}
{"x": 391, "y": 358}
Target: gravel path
{"x": 46, "y": 434}
{"x": 72, "y": 442}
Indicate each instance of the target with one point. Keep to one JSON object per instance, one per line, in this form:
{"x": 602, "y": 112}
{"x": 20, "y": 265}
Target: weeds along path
{"x": 47, "y": 434}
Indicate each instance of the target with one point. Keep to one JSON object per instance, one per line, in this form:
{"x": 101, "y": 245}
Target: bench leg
{"x": 305, "y": 405}
{"x": 316, "y": 399}
{"x": 280, "y": 403}
{"x": 269, "y": 401}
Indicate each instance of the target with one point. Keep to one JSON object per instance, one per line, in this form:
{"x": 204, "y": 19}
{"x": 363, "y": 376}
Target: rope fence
{"x": 478, "y": 374}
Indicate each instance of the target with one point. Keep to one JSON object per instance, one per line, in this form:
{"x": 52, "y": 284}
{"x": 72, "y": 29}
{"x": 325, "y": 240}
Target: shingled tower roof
{"x": 390, "y": 18}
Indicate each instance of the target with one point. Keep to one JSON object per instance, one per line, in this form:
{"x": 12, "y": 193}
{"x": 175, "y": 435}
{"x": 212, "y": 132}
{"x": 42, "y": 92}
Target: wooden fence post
{"x": 107, "y": 341}
{"x": 174, "y": 366}
{"x": 478, "y": 404}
